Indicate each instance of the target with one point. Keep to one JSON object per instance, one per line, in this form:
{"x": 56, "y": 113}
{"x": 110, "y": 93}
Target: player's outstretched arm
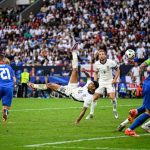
{"x": 37, "y": 86}
{"x": 81, "y": 115}
{"x": 52, "y": 86}
{"x": 96, "y": 76}
{"x": 87, "y": 74}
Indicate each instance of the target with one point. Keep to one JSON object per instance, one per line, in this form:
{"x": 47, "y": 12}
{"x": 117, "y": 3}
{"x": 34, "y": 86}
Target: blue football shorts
{"x": 6, "y": 94}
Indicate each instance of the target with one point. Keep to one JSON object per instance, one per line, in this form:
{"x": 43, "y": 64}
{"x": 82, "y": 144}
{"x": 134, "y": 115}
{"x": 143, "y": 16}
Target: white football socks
{"x": 92, "y": 108}
{"x": 114, "y": 103}
{"x": 125, "y": 122}
{"x": 74, "y": 60}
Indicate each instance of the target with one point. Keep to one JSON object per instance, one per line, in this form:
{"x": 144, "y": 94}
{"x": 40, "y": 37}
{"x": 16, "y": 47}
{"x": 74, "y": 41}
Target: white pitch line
{"x": 79, "y": 140}
{"x": 96, "y": 148}
{"x": 28, "y": 109}
{"x": 78, "y": 147}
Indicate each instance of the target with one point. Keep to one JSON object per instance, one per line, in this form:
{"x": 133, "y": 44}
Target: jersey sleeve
{"x": 147, "y": 62}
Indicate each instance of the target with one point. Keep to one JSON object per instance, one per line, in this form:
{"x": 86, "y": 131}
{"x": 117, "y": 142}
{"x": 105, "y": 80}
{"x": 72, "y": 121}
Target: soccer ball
{"x": 130, "y": 54}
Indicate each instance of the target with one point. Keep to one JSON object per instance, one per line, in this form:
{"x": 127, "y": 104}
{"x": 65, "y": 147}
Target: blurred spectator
{"x": 65, "y": 72}
{"x": 82, "y": 83}
{"x": 115, "y": 25}
{"x": 52, "y": 72}
{"x": 135, "y": 74}
{"x": 122, "y": 89}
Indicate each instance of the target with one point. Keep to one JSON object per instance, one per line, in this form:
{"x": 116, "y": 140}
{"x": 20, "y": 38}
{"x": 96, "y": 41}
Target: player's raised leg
{"x": 74, "y": 74}
{"x": 57, "y": 87}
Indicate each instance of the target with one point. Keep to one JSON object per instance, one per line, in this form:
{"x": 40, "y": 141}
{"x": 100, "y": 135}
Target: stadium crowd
{"x": 115, "y": 25}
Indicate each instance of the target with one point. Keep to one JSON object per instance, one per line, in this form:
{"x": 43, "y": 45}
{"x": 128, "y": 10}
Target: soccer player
{"x": 84, "y": 94}
{"x": 134, "y": 113}
{"x": 6, "y": 86}
{"x": 146, "y": 104}
{"x": 104, "y": 75}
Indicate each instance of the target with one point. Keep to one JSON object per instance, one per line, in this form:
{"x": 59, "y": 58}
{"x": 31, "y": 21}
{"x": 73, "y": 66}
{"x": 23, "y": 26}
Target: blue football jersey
{"x": 6, "y": 76}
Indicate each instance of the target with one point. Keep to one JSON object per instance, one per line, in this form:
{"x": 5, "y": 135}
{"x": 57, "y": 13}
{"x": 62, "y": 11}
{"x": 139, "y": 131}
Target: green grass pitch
{"x": 41, "y": 124}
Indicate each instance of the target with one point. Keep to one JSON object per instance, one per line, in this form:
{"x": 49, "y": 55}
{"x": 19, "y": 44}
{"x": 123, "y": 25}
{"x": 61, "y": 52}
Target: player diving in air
{"x": 142, "y": 113}
{"x": 72, "y": 90}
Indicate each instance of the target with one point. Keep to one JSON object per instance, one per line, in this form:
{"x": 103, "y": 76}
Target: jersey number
{"x": 4, "y": 74}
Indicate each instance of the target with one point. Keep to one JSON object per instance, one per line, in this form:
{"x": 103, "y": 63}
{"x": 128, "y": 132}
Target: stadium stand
{"x": 115, "y": 25}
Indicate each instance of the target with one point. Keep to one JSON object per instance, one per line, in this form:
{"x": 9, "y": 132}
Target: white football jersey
{"x": 82, "y": 94}
{"x": 105, "y": 73}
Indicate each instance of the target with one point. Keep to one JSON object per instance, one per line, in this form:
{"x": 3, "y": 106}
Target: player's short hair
{"x": 96, "y": 84}
{"x": 1, "y": 57}
{"x": 102, "y": 50}
{"x": 6, "y": 61}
